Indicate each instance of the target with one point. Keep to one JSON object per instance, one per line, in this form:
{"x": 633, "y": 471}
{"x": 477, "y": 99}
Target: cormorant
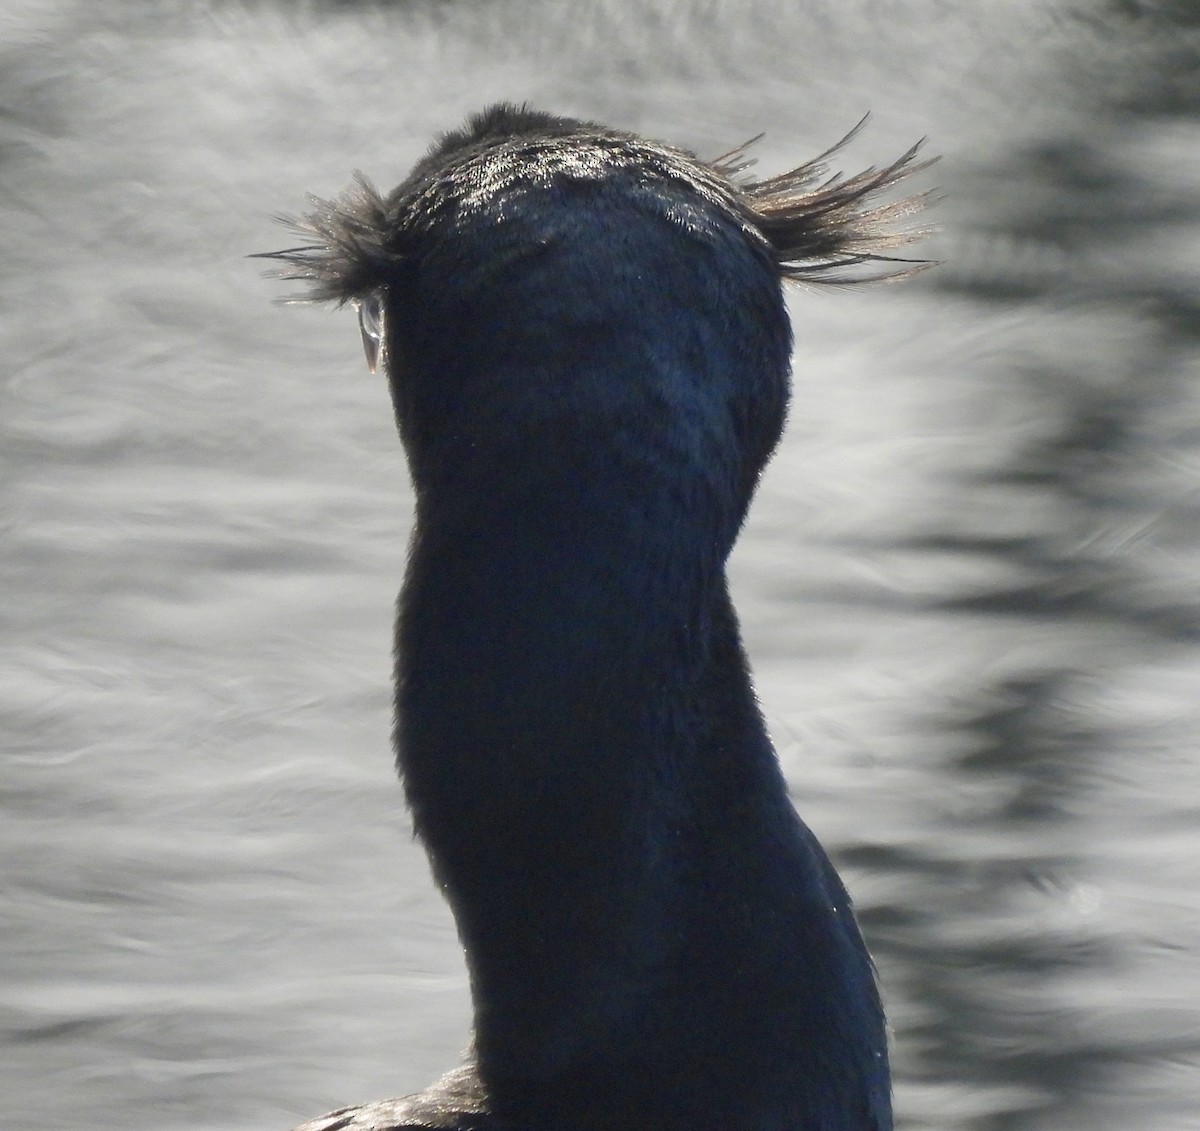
{"x": 588, "y": 352}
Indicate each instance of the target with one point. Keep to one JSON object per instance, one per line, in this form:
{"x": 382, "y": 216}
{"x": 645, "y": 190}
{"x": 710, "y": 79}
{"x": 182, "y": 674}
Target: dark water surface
{"x": 970, "y": 586}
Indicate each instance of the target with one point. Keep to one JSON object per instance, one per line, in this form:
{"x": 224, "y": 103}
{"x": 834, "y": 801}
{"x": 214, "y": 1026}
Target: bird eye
{"x": 370, "y": 322}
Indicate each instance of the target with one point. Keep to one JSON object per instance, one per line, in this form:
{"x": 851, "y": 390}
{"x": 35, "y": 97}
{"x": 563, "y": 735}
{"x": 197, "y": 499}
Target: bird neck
{"x": 571, "y": 691}
{"x": 592, "y": 779}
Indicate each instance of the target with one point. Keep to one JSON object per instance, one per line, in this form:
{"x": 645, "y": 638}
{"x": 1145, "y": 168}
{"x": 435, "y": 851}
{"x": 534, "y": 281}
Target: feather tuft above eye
{"x": 349, "y": 253}
{"x": 823, "y": 226}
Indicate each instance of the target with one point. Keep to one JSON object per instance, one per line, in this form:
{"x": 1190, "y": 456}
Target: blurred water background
{"x": 970, "y": 586}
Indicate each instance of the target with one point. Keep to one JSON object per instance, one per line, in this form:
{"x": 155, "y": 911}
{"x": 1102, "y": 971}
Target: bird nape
{"x": 588, "y": 353}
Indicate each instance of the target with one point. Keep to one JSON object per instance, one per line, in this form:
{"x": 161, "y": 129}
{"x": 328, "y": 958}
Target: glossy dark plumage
{"x": 588, "y": 354}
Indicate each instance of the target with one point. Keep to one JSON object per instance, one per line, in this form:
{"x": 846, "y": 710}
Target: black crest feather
{"x": 819, "y": 226}
{"x": 348, "y": 251}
